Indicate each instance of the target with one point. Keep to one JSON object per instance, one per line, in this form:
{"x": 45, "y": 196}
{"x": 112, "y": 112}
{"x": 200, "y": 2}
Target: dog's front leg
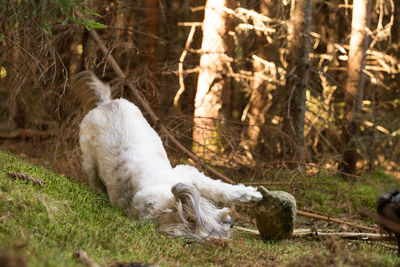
{"x": 216, "y": 190}
{"x": 90, "y": 167}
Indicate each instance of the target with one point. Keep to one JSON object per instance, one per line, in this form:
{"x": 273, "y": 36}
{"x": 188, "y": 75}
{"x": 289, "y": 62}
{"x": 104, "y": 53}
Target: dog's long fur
{"x": 124, "y": 157}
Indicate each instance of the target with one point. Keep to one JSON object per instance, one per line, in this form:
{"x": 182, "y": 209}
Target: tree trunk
{"x": 395, "y": 30}
{"x": 298, "y": 49}
{"x": 76, "y": 49}
{"x": 89, "y": 50}
{"x": 150, "y": 50}
{"x": 125, "y": 21}
{"x": 213, "y": 88}
{"x": 259, "y": 101}
{"x": 354, "y": 87}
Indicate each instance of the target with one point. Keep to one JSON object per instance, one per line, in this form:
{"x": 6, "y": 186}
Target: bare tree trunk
{"x": 259, "y": 101}
{"x": 354, "y": 87}
{"x": 89, "y": 54}
{"x": 150, "y": 48}
{"x": 89, "y": 50}
{"x": 125, "y": 21}
{"x": 395, "y": 30}
{"x": 298, "y": 49}
{"x": 76, "y": 49}
{"x": 213, "y": 88}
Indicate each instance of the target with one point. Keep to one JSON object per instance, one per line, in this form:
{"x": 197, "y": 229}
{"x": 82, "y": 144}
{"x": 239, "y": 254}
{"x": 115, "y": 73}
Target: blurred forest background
{"x": 249, "y": 86}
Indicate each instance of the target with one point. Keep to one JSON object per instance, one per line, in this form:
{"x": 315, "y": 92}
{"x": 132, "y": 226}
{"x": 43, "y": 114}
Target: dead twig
{"x": 131, "y": 264}
{"x": 190, "y": 24}
{"x": 27, "y": 177}
{"x": 180, "y": 68}
{"x": 330, "y": 219}
{"x": 287, "y": 183}
{"x": 26, "y": 133}
{"x": 85, "y": 259}
{"x": 145, "y": 105}
{"x": 389, "y": 246}
{"x": 357, "y": 236}
{"x": 344, "y": 235}
{"x": 251, "y": 231}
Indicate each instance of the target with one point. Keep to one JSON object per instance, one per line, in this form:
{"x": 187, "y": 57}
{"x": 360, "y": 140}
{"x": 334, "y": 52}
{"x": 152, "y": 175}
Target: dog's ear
{"x": 185, "y": 193}
{"x": 196, "y": 212}
{"x": 188, "y": 203}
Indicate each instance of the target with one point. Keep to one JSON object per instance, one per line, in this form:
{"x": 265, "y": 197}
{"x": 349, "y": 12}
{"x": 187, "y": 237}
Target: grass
{"x": 339, "y": 197}
{"x": 45, "y": 225}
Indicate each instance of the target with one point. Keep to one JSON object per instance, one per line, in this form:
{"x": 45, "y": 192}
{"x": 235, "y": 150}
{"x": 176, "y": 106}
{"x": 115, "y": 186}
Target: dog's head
{"x": 194, "y": 216}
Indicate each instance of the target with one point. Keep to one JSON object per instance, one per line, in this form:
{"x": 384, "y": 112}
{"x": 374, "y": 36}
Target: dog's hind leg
{"x": 90, "y": 166}
{"x": 216, "y": 190}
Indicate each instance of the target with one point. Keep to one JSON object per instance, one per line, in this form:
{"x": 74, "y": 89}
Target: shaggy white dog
{"x": 124, "y": 157}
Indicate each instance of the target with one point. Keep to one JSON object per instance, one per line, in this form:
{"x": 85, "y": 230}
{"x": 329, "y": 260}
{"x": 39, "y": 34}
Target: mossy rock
{"x": 275, "y": 214}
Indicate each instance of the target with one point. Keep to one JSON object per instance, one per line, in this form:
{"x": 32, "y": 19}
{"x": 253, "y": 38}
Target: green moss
{"x": 52, "y": 222}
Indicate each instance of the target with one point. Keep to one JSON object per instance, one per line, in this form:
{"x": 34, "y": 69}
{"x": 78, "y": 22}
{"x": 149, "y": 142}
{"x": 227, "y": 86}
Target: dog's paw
{"x": 247, "y": 194}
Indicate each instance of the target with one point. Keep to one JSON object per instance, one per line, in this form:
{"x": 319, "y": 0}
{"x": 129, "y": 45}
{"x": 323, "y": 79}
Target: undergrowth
{"x": 333, "y": 195}
{"x": 43, "y": 226}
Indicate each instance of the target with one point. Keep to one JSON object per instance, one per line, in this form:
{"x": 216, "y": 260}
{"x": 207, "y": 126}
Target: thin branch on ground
{"x": 288, "y": 183}
{"x": 85, "y": 259}
{"x": 330, "y": 219}
{"x": 27, "y": 177}
{"x": 344, "y": 235}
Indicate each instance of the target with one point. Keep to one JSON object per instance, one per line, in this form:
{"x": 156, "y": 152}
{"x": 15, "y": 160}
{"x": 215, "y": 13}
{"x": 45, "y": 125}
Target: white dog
{"x": 124, "y": 157}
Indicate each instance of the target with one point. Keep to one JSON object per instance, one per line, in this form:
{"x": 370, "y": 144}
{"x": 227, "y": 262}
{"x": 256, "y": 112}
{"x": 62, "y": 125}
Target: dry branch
{"x": 358, "y": 236}
{"x": 190, "y": 24}
{"x": 344, "y": 235}
{"x": 26, "y": 133}
{"x": 251, "y": 231}
{"x": 389, "y": 246}
{"x": 145, "y": 105}
{"x": 330, "y": 219}
{"x": 181, "y": 59}
{"x": 85, "y": 259}
{"x": 27, "y": 177}
{"x": 188, "y": 71}
{"x": 288, "y": 183}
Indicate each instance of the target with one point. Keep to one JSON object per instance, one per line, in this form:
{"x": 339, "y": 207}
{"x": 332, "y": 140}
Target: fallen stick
{"x": 389, "y": 246}
{"x": 145, "y": 105}
{"x": 359, "y": 236}
{"x": 26, "y": 133}
{"x": 85, "y": 259}
{"x": 287, "y": 183}
{"x": 344, "y": 235}
{"x": 27, "y": 177}
{"x": 330, "y": 219}
{"x": 251, "y": 231}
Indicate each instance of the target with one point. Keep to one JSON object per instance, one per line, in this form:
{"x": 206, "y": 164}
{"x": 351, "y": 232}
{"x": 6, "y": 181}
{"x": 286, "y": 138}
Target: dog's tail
{"x": 90, "y": 91}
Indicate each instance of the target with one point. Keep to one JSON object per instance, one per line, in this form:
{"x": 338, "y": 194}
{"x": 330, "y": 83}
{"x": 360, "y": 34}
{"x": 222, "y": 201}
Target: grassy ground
{"x": 43, "y": 226}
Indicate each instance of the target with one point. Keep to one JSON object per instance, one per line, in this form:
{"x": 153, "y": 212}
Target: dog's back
{"x": 118, "y": 145}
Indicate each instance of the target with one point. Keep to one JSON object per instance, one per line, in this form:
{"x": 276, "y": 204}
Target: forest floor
{"x": 45, "y": 225}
